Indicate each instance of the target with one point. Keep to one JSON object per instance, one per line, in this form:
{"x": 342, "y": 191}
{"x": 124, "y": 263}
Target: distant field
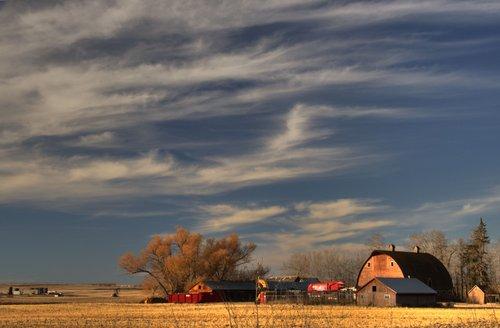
{"x": 74, "y": 293}
{"x": 237, "y": 315}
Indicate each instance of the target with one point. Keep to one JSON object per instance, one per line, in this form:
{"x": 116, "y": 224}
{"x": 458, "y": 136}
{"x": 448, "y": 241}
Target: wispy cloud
{"x": 144, "y": 63}
{"x": 290, "y": 153}
{"x": 338, "y": 208}
{"x": 225, "y": 217}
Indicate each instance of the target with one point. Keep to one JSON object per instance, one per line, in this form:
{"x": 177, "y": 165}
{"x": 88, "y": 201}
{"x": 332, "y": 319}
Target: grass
{"x": 237, "y": 315}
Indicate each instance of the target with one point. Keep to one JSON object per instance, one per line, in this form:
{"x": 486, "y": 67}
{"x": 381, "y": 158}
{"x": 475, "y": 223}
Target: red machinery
{"x": 325, "y": 287}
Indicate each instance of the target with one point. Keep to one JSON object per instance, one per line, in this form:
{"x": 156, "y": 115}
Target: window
{"x": 387, "y": 296}
{"x": 374, "y": 288}
{"x": 369, "y": 264}
{"x": 392, "y": 263}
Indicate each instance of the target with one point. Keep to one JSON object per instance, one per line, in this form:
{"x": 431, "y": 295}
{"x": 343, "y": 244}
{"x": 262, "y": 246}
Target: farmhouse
{"x": 395, "y": 264}
{"x": 478, "y": 295}
{"x": 396, "y": 292}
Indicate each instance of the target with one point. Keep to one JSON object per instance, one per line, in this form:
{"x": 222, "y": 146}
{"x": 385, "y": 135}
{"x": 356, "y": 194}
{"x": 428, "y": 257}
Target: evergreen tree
{"x": 477, "y": 261}
{"x": 461, "y": 269}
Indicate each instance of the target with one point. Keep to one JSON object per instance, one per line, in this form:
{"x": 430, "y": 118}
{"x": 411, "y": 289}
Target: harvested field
{"x": 238, "y": 315}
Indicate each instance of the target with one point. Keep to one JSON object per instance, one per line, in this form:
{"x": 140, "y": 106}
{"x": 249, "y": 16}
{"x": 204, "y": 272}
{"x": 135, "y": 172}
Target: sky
{"x": 299, "y": 125}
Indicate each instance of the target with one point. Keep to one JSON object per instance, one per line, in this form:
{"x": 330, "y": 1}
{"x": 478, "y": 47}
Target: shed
{"x": 234, "y": 291}
{"x": 396, "y": 264}
{"x": 396, "y": 292}
{"x": 482, "y": 295}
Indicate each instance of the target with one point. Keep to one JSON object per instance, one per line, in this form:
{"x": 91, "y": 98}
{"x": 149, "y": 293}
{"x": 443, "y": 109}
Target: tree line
{"x": 472, "y": 261}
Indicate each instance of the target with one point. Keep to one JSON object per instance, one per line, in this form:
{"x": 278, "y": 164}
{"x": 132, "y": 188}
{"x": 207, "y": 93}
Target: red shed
{"x": 217, "y": 291}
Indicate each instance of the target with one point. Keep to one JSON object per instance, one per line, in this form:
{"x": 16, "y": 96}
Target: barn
{"x": 396, "y": 292}
{"x": 396, "y": 264}
{"x": 234, "y": 291}
{"x": 482, "y": 295}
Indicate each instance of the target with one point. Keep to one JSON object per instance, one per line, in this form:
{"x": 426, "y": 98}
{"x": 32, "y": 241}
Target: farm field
{"x": 238, "y": 315}
{"x": 74, "y": 293}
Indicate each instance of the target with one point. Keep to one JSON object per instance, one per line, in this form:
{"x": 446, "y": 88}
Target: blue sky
{"x": 297, "y": 124}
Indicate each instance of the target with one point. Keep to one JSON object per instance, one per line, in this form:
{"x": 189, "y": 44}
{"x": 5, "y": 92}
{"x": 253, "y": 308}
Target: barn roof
{"x": 407, "y": 285}
{"x": 230, "y": 285}
{"x": 422, "y": 266}
{"x": 486, "y": 290}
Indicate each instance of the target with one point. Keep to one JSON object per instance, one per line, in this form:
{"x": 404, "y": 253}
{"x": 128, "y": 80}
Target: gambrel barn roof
{"x": 422, "y": 266}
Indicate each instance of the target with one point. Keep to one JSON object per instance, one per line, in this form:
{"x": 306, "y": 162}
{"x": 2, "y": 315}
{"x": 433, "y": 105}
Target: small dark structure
{"x": 39, "y": 291}
{"x": 217, "y": 291}
{"x": 482, "y": 295}
{"x": 396, "y": 292}
{"x": 154, "y": 300}
{"x": 395, "y": 264}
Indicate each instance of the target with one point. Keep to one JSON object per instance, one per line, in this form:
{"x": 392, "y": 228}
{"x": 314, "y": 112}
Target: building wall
{"x": 200, "y": 288}
{"x": 379, "y": 266}
{"x": 476, "y": 296}
{"x": 415, "y": 300}
{"x": 383, "y": 296}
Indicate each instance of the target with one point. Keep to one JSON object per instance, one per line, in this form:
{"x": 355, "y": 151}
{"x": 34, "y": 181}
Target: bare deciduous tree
{"x": 434, "y": 242}
{"x": 177, "y": 261}
{"x": 376, "y": 241}
{"x": 327, "y": 264}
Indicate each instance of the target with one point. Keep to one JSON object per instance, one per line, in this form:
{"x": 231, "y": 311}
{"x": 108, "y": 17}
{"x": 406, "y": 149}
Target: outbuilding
{"x": 284, "y": 289}
{"x": 396, "y": 292}
{"x": 482, "y": 295}
{"x": 396, "y": 264}
{"x": 234, "y": 291}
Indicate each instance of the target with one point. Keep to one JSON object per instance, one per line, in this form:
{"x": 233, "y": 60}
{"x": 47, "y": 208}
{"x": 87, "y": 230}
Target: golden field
{"x": 237, "y": 315}
{"x": 91, "y": 305}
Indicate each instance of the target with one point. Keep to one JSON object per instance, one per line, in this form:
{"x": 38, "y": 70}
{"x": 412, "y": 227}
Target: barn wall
{"x": 416, "y": 300}
{"x": 476, "y": 296}
{"x": 382, "y": 297}
{"x": 236, "y": 295}
{"x": 379, "y": 266}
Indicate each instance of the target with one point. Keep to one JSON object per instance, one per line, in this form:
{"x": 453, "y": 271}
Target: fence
{"x": 340, "y": 297}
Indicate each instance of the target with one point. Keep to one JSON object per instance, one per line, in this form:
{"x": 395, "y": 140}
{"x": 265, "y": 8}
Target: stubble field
{"x": 237, "y": 315}
{"x": 92, "y": 306}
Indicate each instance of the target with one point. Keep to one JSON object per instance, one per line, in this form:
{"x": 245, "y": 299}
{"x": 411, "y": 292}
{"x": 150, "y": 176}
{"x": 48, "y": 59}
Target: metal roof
{"x": 231, "y": 285}
{"x": 407, "y": 285}
{"x": 288, "y": 285}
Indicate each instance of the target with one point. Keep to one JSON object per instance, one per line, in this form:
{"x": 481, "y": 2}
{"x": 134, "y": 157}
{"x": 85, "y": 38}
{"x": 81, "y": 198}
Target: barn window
{"x": 387, "y": 296}
{"x": 374, "y": 288}
{"x": 392, "y": 263}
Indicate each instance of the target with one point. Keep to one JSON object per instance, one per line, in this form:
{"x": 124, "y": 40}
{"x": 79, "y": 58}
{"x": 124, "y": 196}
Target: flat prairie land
{"x": 74, "y": 293}
{"x": 238, "y": 315}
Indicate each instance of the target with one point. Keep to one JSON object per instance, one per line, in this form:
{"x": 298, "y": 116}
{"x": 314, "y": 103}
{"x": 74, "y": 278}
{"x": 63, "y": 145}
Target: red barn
{"x": 394, "y": 264}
